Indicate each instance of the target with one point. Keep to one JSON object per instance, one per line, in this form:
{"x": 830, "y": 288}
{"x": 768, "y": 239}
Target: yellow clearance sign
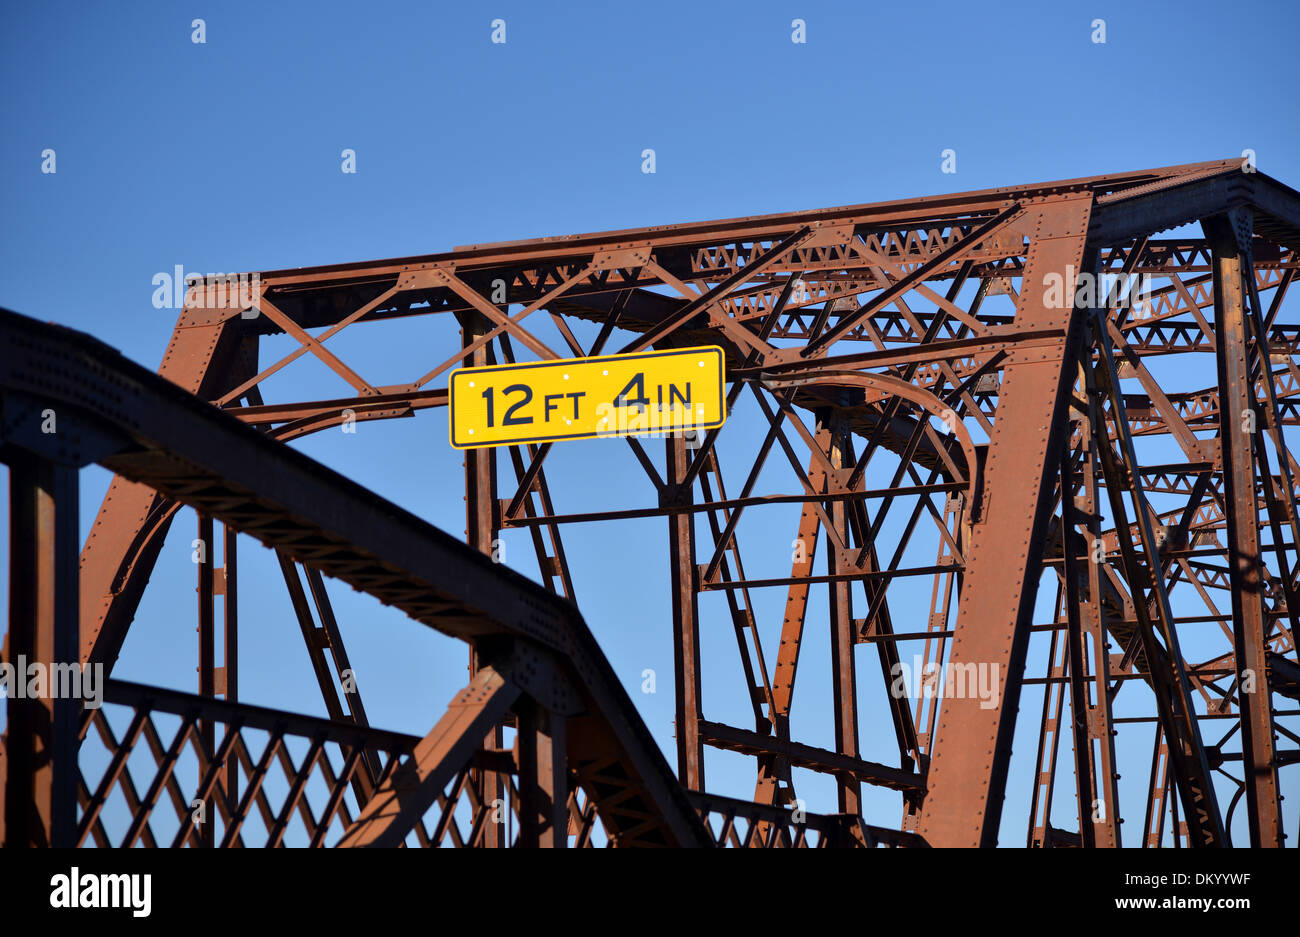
{"x": 585, "y": 398}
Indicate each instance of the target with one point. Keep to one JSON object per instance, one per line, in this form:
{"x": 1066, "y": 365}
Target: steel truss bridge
{"x": 911, "y": 361}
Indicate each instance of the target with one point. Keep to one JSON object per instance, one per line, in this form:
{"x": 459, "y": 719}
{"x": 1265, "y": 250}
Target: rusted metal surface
{"x": 965, "y": 426}
{"x": 1229, "y": 238}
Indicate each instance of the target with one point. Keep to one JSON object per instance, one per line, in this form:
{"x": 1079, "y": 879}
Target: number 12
{"x": 511, "y": 419}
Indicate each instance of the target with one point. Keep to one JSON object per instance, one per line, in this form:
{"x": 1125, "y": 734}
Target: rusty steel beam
{"x": 209, "y": 460}
{"x": 41, "y": 740}
{"x": 1229, "y": 237}
{"x": 968, "y": 767}
{"x": 398, "y": 803}
{"x": 684, "y": 597}
{"x": 896, "y": 353}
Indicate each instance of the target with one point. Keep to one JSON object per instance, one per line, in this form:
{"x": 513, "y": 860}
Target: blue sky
{"x": 225, "y": 156}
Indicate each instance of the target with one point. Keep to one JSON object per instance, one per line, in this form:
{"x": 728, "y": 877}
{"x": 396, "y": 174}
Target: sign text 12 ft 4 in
{"x": 586, "y": 398}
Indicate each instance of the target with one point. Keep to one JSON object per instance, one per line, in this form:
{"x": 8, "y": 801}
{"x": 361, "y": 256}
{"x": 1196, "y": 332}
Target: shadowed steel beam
{"x": 685, "y": 608}
{"x": 41, "y": 741}
{"x": 1237, "y": 415}
{"x": 208, "y": 459}
{"x": 411, "y": 790}
{"x": 810, "y": 757}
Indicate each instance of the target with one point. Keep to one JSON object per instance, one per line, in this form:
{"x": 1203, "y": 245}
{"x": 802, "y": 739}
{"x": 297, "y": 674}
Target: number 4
{"x": 637, "y": 383}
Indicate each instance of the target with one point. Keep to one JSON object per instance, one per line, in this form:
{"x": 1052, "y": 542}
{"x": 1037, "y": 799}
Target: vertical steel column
{"x": 1162, "y": 800}
{"x": 543, "y": 778}
{"x": 972, "y": 750}
{"x": 481, "y": 510}
{"x": 1229, "y": 239}
{"x": 230, "y": 656}
{"x": 42, "y": 737}
{"x": 686, "y": 613}
{"x": 481, "y": 529}
{"x": 770, "y": 769}
{"x": 1041, "y": 831}
{"x": 942, "y": 591}
{"x": 844, "y": 683}
{"x": 1166, "y": 669}
{"x": 1101, "y": 732}
{"x": 1078, "y": 667}
{"x": 207, "y": 652}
